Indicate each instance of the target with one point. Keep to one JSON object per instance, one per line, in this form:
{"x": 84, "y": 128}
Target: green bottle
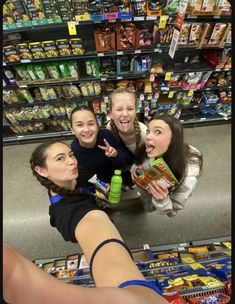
{"x": 115, "y": 187}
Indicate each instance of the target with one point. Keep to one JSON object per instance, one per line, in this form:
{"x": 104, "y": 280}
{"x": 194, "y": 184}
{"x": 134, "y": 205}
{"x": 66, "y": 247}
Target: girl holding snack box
{"x": 124, "y": 123}
{"x": 164, "y": 138}
{"x": 77, "y": 218}
{"x": 96, "y": 148}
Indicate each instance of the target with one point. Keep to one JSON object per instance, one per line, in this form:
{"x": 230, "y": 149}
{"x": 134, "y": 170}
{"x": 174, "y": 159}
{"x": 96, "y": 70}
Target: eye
{"x": 60, "y": 158}
{"x": 157, "y": 132}
{"x": 147, "y": 132}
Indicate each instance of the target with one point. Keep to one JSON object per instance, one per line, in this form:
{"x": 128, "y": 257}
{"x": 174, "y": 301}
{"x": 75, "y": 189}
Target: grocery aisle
{"x": 207, "y": 214}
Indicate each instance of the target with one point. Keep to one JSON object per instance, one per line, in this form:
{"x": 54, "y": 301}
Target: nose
{"x": 124, "y": 112}
{"x": 71, "y": 160}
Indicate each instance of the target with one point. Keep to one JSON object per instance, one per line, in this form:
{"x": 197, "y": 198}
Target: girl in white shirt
{"x": 164, "y": 138}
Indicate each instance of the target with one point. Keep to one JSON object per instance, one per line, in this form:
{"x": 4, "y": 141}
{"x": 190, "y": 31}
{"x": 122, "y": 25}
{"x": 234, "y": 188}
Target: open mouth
{"x": 149, "y": 148}
{"x": 87, "y": 136}
{"x": 125, "y": 124}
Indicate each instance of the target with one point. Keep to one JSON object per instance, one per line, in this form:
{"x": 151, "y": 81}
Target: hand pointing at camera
{"x": 109, "y": 151}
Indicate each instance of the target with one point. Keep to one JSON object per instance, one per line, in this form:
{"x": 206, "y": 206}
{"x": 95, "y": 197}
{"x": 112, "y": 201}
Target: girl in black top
{"x": 96, "y": 149}
{"x": 116, "y": 276}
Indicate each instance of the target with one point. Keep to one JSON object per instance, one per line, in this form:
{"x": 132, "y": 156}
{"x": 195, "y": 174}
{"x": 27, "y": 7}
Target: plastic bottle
{"x": 115, "y": 187}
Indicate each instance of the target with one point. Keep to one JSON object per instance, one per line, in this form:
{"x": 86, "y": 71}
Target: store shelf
{"x": 116, "y": 77}
{"x": 171, "y": 19}
{"x": 24, "y": 138}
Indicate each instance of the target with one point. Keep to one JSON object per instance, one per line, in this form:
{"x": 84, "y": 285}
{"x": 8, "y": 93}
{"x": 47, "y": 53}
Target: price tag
{"x": 146, "y": 246}
{"x": 171, "y": 94}
{"x": 228, "y": 245}
{"x": 72, "y": 28}
{"x": 190, "y": 93}
{"x": 25, "y": 60}
{"x": 157, "y": 50}
{"x": 152, "y": 77}
{"x": 168, "y": 76}
{"x": 151, "y": 18}
{"x": 138, "y": 18}
{"x": 137, "y": 51}
{"x": 100, "y": 54}
{"x": 23, "y": 86}
{"x": 119, "y": 77}
{"x": 120, "y": 53}
{"x": 103, "y": 79}
{"x": 162, "y": 22}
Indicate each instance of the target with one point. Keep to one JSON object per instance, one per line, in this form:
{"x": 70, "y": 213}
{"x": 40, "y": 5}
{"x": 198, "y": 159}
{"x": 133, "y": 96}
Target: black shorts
{"x": 66, "y": 214}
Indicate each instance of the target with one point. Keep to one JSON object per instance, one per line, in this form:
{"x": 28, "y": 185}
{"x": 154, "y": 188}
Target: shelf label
{"x": 120, "y": 53}
{"x": 202, "y": 118}
{"x": 72, "y": 28}
{"x": 25, "y": 60}
{"x": 100, "y": 54}
{"x": 168, "y": 76}
{"x": 162, "y": 22}
{"x": 103, "y": 79}
{"x": 216, "y": 17}
{"x": 174, "y": 42}
{"x": 138, "y": 18}
{"x": 152, "y": 77}
{"x": 137, "y": 51}
{"x": 23, "y": 85}
{"x": 151, "y": 17}
{"x": 119, "y": 77}
{"x": 146, "y": 246}
{"x": 190, "y": 93}
{"x": 171, "y": 94}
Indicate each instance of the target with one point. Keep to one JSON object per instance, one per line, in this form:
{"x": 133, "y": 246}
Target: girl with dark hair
{"x": 77, "y": 218}
{"x": 97, "y": 149}
{"x": 124, "y": 123}
{"x": 164, "y": 138}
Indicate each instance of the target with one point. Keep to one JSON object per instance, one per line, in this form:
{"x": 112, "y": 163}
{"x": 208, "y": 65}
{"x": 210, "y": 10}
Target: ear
{"x": 71, "y": 129}
{"x": 110, "y": 114}
{"x": 41, "y": 171}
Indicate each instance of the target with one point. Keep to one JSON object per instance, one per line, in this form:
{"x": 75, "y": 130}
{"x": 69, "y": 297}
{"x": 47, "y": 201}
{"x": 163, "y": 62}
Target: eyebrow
{"x": 62, "y": 154}
{"x": 157, "y": 127}
{"x": 80, "y": 121}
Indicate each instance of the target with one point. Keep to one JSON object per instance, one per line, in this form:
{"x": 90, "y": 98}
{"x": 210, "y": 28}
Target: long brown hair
{"x": 178, "y": 154}
{"x": 114, "y": 128}
{"x": 38, "y": 158}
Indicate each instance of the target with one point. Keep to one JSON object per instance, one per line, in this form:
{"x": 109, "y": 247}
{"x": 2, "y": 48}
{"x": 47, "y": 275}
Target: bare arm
{"x": 23, "y": 282}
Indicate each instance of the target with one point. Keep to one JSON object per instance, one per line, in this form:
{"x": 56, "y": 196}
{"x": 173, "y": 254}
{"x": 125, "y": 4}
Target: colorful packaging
{"x": 159, "y": 171}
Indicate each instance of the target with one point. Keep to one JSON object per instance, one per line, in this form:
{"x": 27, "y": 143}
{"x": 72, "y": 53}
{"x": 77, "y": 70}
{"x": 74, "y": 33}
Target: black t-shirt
{"x": 94, "y": 161}
{"x": 66, "y": 212}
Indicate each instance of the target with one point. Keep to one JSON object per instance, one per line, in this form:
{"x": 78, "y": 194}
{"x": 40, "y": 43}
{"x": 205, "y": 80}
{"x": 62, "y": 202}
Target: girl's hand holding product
{"x": 157, "y": 190}
{"x": 109, "y": 151}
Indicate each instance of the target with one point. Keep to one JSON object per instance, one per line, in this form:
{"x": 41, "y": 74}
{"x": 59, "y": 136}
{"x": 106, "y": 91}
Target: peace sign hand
{"x": 109, "y": 151}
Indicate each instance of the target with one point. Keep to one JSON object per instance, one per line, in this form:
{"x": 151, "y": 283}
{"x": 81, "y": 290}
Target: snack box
{"x": 158, "y": 170}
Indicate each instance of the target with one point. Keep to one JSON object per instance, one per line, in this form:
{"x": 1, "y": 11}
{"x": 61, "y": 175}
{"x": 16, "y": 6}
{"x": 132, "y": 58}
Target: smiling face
{"x": 85, "y": 128}
{"x": 60, "y": 165}
{"x": 158, "y": 138}
{"x": 123, "y": 111}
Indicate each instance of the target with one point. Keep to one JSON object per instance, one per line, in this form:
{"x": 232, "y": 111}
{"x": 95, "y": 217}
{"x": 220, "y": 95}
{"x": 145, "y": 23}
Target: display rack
{"x": 194, "y": 258}
{"x": 193, "y": 114}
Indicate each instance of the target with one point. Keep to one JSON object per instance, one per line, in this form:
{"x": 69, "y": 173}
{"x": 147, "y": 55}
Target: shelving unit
{"x": 60, "y": 30}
